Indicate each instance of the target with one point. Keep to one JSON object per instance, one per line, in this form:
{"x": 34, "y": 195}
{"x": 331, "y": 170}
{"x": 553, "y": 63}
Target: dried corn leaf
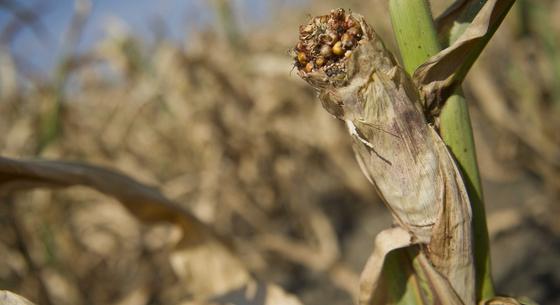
{"x": 508, "y": 301}
{"x": 454, "y": 20}
{"x": 144, "y": 202}
{"x": 207, "y": 266}
{"x": 444, "y": 72}
{"x": 9, "y": 298}
{"x": 400, "y": 154}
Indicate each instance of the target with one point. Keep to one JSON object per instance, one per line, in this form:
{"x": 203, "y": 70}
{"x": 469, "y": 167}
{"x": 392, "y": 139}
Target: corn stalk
{"x": 417, "y": 39}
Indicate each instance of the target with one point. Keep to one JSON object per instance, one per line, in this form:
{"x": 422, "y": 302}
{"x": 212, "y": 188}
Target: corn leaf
{"x": 441, "y": 74}
{"x": 455, "y": 20}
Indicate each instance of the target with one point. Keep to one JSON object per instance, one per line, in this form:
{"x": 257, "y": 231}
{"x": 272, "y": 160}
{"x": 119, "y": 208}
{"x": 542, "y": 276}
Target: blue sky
{"x": 139, "y": 15}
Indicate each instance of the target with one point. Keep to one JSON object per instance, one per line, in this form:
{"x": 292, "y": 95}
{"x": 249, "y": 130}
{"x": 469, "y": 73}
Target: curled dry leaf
{"x": 144, "y": 202}
{"x": 386, "y": 241}
{"x": 458, "y": 14}
{"x": 441, "y": 74}
{"x": 398, "y": 151}
{"x": 204, "y": 262}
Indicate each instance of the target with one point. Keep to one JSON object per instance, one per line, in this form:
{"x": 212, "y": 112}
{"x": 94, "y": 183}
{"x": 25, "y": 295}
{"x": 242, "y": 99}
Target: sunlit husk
{"x": 407, "y": 162}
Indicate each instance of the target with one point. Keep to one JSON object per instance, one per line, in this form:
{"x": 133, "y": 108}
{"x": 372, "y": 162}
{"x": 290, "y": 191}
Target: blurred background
{"x": 198, "y": 98}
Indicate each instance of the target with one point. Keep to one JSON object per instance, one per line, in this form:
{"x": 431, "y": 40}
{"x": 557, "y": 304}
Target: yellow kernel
{"x": 337, "y": 48}
{"x": 309, "y": 67}
{"x": 320, "y": 61}
{"x": 301, "y": 57}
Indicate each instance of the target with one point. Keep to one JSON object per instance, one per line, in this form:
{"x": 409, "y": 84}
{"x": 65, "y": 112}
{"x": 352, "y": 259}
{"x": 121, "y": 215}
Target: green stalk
{"x": 414, "y": 30}
{"x": 416, "y": 36}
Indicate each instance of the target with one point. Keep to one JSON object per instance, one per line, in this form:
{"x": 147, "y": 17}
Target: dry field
{"x": 222, "y": 126}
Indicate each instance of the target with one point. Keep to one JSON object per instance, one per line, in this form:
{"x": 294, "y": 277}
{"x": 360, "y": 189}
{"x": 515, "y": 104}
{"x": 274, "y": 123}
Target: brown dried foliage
{"x": 238, "y": 140}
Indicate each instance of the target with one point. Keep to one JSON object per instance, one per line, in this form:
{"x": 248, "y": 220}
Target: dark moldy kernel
{"x": 325, "y": 40}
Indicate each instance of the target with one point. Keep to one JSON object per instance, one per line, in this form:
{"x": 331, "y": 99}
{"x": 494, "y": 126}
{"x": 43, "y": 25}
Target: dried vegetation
{"x": 240, "y": 142}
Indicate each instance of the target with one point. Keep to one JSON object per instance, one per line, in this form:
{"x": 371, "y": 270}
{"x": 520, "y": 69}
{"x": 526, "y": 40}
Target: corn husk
{"x": 403, "y": 156}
